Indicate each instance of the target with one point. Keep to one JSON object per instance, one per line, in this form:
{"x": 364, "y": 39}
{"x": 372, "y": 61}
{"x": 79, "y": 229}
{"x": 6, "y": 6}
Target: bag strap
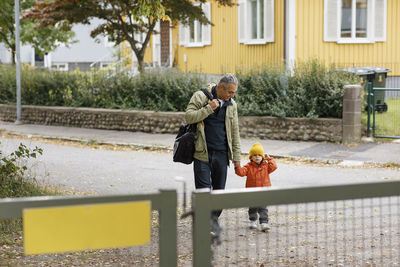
{"x": 207, "y": 93}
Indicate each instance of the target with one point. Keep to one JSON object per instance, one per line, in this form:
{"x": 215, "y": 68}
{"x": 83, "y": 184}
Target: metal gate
{"x": 341, "y": 225}
{"x": 385, "y": 112}
{"x": 162, "y": 251}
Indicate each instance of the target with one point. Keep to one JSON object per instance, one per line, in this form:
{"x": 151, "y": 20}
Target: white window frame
{"x": 376, "y": 22}
{"x": 197, "y": 34}
{"x": 60, "y": 66}
{"x": 353, "y": 38}
{"x": 245, "y": 17}
{"x": 107, "y": 65}
{"x": 199, "y": 29}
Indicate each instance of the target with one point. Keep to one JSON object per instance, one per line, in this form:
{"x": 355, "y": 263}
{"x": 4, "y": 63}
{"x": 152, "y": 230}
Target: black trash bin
{"x": 366, "y": 75}
{"x": 380, "y": 82}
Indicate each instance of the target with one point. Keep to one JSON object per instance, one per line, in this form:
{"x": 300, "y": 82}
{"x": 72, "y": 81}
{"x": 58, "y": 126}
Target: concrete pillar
{"x": 351, "y": 114}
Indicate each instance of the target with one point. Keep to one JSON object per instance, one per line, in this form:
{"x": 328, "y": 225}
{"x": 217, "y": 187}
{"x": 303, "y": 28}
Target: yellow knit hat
{"x": 256, "y": 149}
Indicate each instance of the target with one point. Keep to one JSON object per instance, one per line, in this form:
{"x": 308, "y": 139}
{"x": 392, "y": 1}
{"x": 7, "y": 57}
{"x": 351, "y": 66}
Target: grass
{"x": 386, "y": 123}
{"x": 29, "y": 188}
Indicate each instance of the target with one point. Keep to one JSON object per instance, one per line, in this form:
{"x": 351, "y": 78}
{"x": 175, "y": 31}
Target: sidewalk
{"x": 372, "y": 152}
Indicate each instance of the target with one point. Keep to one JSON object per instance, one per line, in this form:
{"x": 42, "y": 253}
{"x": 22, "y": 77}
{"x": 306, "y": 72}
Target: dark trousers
{"x": 211, "y": 174}
{"x": 262, "y": 211}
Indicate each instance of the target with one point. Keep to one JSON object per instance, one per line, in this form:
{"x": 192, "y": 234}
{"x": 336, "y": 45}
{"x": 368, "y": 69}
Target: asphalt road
{"x": 104, "y": 171}
{"x": 315, "y": 235}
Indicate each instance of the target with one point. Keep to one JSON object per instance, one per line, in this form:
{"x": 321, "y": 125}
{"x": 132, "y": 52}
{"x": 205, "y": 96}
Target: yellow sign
{"x": 73, "y": 228}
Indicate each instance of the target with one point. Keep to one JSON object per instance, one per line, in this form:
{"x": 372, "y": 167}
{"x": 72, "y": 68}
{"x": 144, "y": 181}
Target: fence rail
{"x": 165, "y": 202}
{"x": 350, "y": 225}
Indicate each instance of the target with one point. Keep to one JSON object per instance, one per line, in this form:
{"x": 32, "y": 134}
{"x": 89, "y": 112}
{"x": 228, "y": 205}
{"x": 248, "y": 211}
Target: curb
{"x": 86, "y": 141}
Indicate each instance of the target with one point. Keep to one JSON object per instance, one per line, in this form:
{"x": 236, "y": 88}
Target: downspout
{"x": 284, "y": 31}
{"x": 290, "y": 34}
{"x": 170, "y": 45}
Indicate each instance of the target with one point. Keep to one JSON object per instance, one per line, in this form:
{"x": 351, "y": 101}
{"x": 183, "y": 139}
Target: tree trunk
{"x": 140, "y": 59}
{"x": 140, "y": 65}
{"x": 140, "y": 52}
{"x": 13, "y": 52}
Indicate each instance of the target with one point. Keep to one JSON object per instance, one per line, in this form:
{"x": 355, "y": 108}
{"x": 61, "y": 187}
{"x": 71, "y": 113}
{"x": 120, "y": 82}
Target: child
{"x": 257, "y": 172}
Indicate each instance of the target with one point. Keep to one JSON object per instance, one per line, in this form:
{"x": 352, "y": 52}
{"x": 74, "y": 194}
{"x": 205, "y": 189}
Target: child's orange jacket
{"x": 257, "y": 176}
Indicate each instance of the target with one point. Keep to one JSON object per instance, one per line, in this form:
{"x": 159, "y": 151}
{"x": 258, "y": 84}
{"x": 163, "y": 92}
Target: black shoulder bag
{"x": 184, "y": 141}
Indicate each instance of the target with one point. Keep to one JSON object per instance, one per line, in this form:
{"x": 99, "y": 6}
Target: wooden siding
{"x": 310, "y": 44}
{"x": 226, "y": 54}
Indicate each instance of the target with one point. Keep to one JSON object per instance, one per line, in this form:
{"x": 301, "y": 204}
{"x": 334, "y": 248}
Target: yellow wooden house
{"x": 257, "y": 32}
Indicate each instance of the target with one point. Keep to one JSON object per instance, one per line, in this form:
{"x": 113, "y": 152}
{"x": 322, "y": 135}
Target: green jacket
{"x": 196, "y": 112}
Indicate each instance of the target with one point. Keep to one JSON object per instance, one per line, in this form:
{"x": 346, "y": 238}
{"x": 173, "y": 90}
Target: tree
{"x": 48, "y": 38}
{"x": 43, "y": 40}
{"x": 122, "y": 20}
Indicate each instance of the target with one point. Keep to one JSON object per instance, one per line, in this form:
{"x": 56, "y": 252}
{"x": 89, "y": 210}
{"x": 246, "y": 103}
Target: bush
{"x": 262, "y": 92}
{"x": 317, "y": 91}
{"x": 7, "y": 84}
{"x": 169, "y": 91}
{"x": 313, "y": 90}
{"x": 13, "y": 180}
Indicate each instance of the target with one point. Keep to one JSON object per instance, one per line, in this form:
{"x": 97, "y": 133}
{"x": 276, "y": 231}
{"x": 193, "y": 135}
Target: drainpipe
{"x": 170, "y": 45}
{"x": 290, "y": 34}
{"x": 284, "y": 31}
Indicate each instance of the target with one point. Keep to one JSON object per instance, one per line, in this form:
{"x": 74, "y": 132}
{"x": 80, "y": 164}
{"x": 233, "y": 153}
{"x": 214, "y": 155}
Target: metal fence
{"x": 387, "y": 124}
{"x": 393, "y": 82}
{"x": 345, "y": 225}
{"x": 162, "y": 248}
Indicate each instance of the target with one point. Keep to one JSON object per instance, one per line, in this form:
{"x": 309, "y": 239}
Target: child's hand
{"x": 266, "y": 156}
{"x": 236, "y": 164}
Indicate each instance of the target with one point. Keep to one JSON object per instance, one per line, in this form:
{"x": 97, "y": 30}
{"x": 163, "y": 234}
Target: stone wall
{"x": 168, "y": 122}
{"x": 291, "y": 128}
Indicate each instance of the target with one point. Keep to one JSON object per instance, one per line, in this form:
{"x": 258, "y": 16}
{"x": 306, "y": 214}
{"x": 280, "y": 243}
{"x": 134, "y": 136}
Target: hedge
{"x": 311, "y": 90}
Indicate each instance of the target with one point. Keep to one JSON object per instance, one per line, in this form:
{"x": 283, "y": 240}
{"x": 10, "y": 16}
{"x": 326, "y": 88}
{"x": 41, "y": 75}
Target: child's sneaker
{"x": 265, "y": 227}
{"x": 253, "y": 225}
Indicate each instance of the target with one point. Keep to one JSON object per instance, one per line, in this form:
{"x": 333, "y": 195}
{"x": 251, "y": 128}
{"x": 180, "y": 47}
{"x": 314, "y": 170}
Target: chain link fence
{"x": 356, "y": 232}
{"x": 349, "y": 225}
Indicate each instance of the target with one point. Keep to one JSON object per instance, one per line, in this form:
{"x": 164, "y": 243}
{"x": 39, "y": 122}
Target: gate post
{"x": 201, "y": 228}
{"x": 168, "y": 229}
{"x": 351, "y": 119}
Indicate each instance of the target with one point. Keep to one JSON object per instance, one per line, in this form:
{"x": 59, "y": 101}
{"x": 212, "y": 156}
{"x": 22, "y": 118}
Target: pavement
{"x": 368, "y": 151}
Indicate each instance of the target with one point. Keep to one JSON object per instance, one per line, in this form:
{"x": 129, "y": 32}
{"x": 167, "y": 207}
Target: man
{"x": 217, "y": 135}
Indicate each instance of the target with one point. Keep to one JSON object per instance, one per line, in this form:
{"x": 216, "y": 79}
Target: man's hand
{"x": 213, "y": 103}
{"x": 236, "y": 164}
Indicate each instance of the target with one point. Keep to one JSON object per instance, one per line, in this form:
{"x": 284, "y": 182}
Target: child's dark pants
{"x": 262, "y": 211}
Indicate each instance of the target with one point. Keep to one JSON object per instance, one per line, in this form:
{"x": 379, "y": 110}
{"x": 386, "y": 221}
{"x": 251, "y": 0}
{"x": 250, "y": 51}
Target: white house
{"x": 84, "y": 54}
